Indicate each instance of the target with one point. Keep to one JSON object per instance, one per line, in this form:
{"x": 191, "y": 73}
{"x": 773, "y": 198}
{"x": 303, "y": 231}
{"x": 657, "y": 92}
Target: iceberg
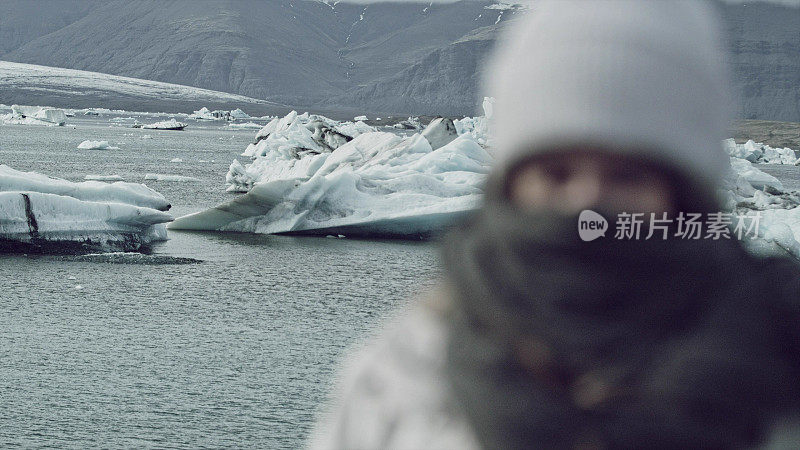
{"x": 756, "y": 152}
{"x": 244, "y": 126}
{"x": 748, "y": 191}
{"x": 412, "y": 123}
{"x": 34, "y": 115}
{"x": 282, "y": 141}
{"x": 43, "y": 214}
{"x": 239, "y": 114}
{"x": 171, "y": 124}
{"x": 377, "y": 184}
{"x": 127, "y": 193}
{"x": 96, "y": 145}
{"x": 205, "y": 114}
{"x": 478, "y": 127}
{"x": 202, "y": 114}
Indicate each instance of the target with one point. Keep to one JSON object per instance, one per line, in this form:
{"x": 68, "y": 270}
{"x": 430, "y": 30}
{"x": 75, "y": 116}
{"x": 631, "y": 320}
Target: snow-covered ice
{"x": 128, "y": 193}
{"x": 34, "y": 115}
{"x": 287, "y": 139}
{"x": 239, "y": 114}
{"x": 412, "y": 123}
{"x": 245, "y": 126}
{"x": 96, "y": 145}
{"x": 761, "y": 153}
{"x": 750, "y": 191}
{"x": 309, "y": 177}
{"x": 170, "y": 124}
{"x": 40, "y": 213}
{"x": 206, "y": 114}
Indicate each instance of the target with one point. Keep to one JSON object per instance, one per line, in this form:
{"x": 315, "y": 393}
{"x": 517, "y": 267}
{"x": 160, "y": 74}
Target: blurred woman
{"x": 538, "y": 338}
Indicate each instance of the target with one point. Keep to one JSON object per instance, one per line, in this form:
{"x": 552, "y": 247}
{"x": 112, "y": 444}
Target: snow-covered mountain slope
{"x": 54, "y": 86}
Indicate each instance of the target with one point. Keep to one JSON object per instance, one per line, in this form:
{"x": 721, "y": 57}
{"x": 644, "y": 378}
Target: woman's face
{"x": 572, "y": 181}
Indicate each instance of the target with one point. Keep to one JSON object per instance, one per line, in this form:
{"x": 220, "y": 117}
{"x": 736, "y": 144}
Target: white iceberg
{"x": 202, "y": 114}
{"x": 42, "y": 214}
{"x": 412, "y": 123}
{"x": 96, "y": 145}
{"x": 359, "y": 118}
{"x": 377, "y": 184}
{"x": 205, "y": 114}
{"x": 239, "y": 114}
{"x": 748, "y": 191}
{"x": 171, "y": 124}
{"x": 245, "y": 126}
{"x": 757, "y": 152}
{"x": 289, "y": 139}
{"x": 128, "y": 193}
{"x": 34, "y": 115}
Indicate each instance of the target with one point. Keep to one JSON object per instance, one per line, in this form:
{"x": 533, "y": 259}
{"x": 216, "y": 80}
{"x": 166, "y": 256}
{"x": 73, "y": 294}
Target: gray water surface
{"x": 233, "y": 346}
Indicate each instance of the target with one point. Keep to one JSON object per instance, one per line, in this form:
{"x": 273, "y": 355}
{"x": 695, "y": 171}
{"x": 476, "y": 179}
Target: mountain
{"x": 31, "y": 84}
{"x": 381, "y": 58}
{"x": 298, "y": 52}
{"x": 765, "y": 57}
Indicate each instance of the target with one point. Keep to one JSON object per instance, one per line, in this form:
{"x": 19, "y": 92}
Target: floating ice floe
{"x": 205, "y": 114}
{"x": 34, "y": 115}
{"x": 287, "y": 139}
{"x": 478, "y": 127}
{"x": 43, "y": 214}
{"x": 761, "y": 153}
{"x": 412, "y": 123}
{"x": 245, "y": 126}
{"x": 176, "y": 160}
{"x": 748, "y": 191}
{"x": 309, "y": 177}
{"x": 239, "y": 114}
{"x": 103, "y": 178}
{"x": 202, "y": 114}
{"x": 96, "y": 145}
{"x": 170, "y": 124}
{"x": 170, "y": 177}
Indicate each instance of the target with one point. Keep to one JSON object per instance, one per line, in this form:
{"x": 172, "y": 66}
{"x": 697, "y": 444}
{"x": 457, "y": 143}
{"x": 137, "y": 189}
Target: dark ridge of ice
{"x": 130, "y": 258}
{"x": 40, "y": 246}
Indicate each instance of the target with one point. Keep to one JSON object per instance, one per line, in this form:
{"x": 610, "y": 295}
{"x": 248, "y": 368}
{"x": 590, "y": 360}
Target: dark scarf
{"x": 560, "y": 343}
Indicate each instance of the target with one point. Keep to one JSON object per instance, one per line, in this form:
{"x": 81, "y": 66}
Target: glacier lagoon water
{"x": 238, "y": 349}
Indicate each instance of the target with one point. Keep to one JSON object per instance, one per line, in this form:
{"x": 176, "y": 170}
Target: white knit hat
{"x": 643, "y": 77}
